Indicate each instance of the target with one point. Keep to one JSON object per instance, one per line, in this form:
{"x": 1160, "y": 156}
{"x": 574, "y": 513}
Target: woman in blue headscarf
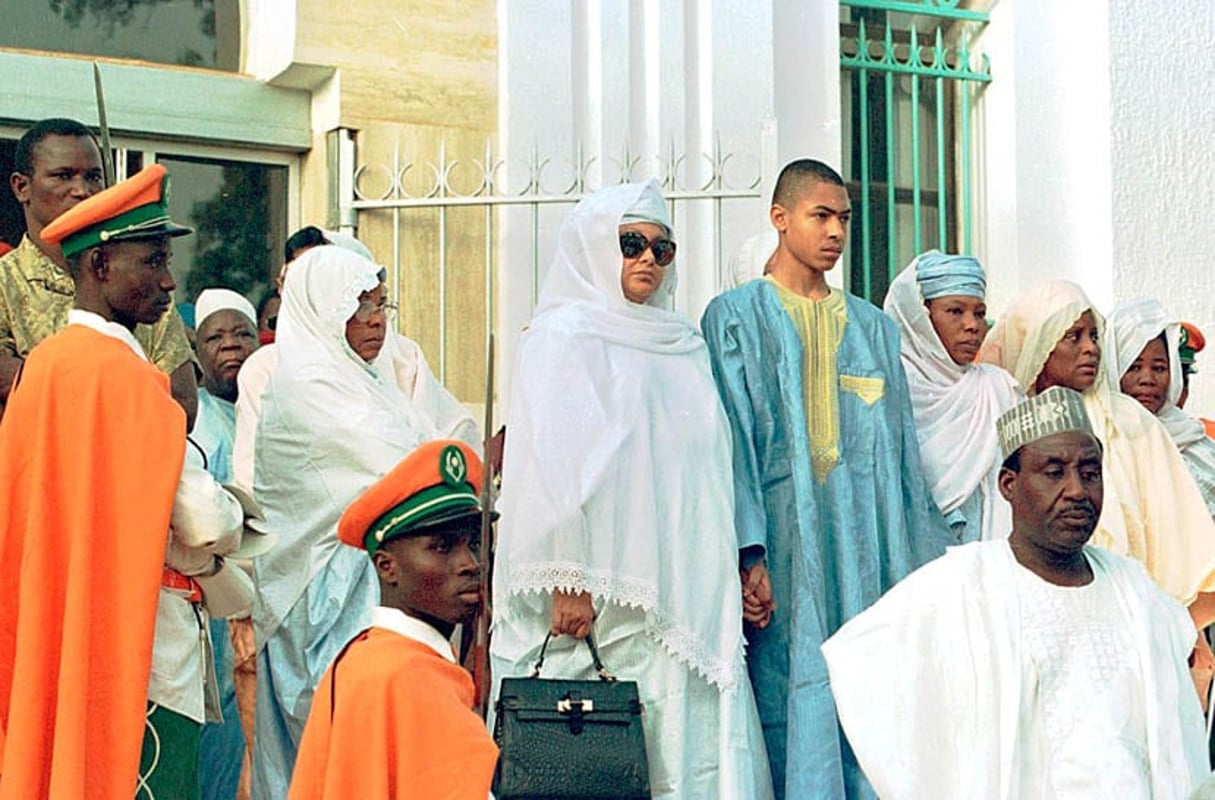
{"x": 938, "y": 304}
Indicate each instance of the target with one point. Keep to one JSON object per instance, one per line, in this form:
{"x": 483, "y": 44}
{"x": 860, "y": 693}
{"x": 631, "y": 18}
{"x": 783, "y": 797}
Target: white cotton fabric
{"x": 961, "y": 716}
{"x": 616, "y": 481}
{"x": 1153, "y": 510}
{"x": 1131, "y": 327}
{"x": 955, "y": 408}
{"x": 1089, "y": 737}
{"x": 597, "y": 474}
{"x": 413, "y": 377}
{"x": 332, "y": 424}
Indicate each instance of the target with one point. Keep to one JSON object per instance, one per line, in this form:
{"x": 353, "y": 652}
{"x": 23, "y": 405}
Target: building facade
{"x": 1050, "y": 139}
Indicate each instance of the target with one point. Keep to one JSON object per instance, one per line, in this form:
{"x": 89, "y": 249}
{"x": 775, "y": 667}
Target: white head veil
{"x": 1031, "y": 328}
{"x": 586, "y": 274}
{"x": 955, "y": 408}
{"x": 1130, "y": 328}
{"x": 616, "y": 474}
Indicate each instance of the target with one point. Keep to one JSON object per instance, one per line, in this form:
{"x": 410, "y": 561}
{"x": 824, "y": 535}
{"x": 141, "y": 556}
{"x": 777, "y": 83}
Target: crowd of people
{"x": 249, "y": 569}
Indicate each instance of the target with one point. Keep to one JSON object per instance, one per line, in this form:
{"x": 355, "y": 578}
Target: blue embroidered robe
{"x": 833, "y": 548}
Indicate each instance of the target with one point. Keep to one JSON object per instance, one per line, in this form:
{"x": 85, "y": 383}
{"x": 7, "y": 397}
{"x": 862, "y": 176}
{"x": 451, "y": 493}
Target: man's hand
{"x": 1202, "y": 668}
{"x": 572, "y": 614}
{"x": 758, "y": 604}
{"x": 9, "y": 367}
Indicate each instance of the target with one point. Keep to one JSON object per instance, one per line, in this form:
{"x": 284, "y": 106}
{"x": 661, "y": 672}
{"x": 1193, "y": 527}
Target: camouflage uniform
{"x": 36, "y": 295}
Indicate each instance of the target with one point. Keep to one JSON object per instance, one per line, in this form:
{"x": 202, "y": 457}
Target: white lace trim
{"x": 679, "y": 640}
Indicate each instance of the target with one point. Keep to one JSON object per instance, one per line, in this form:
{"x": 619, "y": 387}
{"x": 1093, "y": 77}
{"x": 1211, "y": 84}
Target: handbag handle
{"x": 600, "y": 670}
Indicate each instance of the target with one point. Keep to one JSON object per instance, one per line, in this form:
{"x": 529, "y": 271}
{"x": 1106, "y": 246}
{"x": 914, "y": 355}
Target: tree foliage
{"x": 231, "y": 248}
{"x": 110, "y": 13}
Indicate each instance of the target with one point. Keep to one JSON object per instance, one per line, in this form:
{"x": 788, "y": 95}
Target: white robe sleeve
{"x": 927, "y": 685}
{"x": 206, "y": 520}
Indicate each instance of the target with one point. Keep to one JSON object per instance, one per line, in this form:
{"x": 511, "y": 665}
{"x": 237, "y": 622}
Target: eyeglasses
{"x": 368, "y": 309}
{"x": 633, "y": 244}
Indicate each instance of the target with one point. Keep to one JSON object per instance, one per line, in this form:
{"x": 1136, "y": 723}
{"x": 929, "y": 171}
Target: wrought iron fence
{"x": 518, "y": 206}
{"x": 910, "y": 84}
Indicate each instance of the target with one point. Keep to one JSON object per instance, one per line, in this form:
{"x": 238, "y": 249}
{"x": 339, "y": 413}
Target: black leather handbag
{"x": 565, "y": 739}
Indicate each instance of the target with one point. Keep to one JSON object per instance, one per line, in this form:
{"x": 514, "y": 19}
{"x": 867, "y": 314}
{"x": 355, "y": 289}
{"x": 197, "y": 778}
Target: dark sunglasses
{"x": 633, "y": 244}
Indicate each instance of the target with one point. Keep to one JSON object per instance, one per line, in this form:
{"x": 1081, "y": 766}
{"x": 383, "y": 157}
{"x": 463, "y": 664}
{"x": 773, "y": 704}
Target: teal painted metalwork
{"x": 888, "y": 114}
{"x": 946, "y": 9}
{"x": 892, "y": 208}
{"x": 866, "y": 220}
{"x": 917, "y": 211}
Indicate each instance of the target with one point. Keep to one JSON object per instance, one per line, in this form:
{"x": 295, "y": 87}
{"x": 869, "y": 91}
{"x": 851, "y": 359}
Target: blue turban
{"x": 940, "y": 275}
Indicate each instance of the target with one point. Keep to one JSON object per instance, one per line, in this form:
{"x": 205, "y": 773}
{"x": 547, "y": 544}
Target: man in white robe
{"x": 1034, "y": 667}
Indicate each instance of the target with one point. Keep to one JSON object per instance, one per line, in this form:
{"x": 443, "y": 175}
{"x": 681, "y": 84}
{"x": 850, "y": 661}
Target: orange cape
{"x": 1210, "y": 427}
{"x": 403, "y": 727}
{"x": 91, "y": 449}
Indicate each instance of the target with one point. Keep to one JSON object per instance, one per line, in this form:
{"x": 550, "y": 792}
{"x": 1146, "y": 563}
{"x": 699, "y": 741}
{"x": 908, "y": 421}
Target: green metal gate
{"x": 909, "y": 86}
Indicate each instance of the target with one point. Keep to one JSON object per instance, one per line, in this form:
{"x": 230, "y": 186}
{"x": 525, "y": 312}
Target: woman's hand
{"x": 572, "y": 614}
{"x": 758, "y": 603}
{"x": 1202, "y": 668}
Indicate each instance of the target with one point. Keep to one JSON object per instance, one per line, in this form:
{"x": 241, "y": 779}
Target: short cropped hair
{"x": 309, "y": 236}
{"x": 798, "y": 176}
{"x": 23, "y": 159}
{"x": 77, "y": 260}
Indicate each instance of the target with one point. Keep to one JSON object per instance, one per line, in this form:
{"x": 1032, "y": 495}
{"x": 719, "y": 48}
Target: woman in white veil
{"x": 938, "y": 303}
{"x": 333, "y": 422}
{"x": 617, "y": 502}
{"x": 1145, "y": 363}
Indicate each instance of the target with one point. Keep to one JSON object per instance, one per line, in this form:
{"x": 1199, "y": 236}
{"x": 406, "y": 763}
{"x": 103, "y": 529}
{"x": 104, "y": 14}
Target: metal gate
{"x": 451, "y": 215}
{"x": 910, "y": 83}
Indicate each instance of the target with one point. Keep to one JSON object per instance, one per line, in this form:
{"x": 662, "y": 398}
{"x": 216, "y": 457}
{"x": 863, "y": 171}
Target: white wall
{"x": 1163, "y": 116}
{"x": 1047, "y": 149}
{"x": 1095, "y": 156}
{"x": 658, "y": 75}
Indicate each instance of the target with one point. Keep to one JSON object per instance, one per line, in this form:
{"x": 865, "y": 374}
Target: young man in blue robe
{"x": 831, "y": 503}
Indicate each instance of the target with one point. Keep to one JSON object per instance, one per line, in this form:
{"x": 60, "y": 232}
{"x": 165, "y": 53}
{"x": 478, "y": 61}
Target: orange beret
{"x": 1192, "y": 342}
{"x": 438, "y": 482}
{"x": 137, "y": 208}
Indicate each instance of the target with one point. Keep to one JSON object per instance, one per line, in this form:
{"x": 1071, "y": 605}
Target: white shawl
{"x": 955, "y": 410}
{"x": 616, "y": 474}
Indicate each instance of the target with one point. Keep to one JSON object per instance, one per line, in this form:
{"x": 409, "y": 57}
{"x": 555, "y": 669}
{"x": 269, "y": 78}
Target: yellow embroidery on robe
{"x": 820, "y": 326}
{"x": 870, "y": 390}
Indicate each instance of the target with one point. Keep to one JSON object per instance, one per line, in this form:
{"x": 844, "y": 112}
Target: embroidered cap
{"x": 438, "y": 483}
{"x": 137, "y": 208}
{"x": 1056, "y": 410}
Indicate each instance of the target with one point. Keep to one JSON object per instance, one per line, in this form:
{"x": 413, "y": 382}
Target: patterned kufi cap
{"x": 1056, "y": 410}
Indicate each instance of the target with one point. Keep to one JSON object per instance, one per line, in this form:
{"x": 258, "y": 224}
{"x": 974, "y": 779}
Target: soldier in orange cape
{"x": 392, "y": 717}
{"x": 93, "y": 476}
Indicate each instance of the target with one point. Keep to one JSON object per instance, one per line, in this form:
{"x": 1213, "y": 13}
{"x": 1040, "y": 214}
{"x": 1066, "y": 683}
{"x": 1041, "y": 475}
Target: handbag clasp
{"x": 567, "y": 706}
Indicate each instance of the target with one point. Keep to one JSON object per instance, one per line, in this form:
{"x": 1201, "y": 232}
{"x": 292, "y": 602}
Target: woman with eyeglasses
{"x": 617, "y": 504}
{"x": 334, "y": 420}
